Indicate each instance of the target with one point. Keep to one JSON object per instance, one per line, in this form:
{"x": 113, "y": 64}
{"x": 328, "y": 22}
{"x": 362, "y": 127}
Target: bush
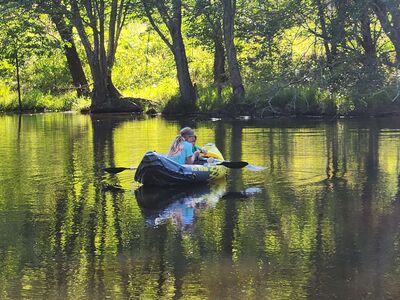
{"x": 299, "y": 100}
{"x": 48, "y": 74}
{"x": 35, "y": 100}
{"x": 208, "y": 100}
{"x": 7, "y": 97}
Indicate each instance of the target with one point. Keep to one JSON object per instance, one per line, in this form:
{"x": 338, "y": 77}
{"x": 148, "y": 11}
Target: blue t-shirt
{"x": 186, "y": 152}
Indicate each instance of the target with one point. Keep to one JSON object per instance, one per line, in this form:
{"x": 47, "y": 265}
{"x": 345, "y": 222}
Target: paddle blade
{"x": 255, "y": 168}
{"x": 117, "y": 169}
{"x": 233, "y": 164}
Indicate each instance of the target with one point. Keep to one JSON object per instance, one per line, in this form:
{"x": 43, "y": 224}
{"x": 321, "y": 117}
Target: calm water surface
{"x": 321, "y": 222}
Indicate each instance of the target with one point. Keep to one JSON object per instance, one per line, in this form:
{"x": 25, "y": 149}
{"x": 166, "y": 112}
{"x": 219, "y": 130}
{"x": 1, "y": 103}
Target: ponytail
{"x": 176, "y": 145}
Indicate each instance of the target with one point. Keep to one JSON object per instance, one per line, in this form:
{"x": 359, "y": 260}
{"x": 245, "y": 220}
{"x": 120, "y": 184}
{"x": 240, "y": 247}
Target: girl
{"x": 181, "y": 150}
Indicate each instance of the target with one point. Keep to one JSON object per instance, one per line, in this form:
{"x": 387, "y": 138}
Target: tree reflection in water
{"x": 321, "y": 224}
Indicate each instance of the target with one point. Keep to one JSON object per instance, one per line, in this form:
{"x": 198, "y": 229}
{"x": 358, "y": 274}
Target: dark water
{"x": 321, "y": 222}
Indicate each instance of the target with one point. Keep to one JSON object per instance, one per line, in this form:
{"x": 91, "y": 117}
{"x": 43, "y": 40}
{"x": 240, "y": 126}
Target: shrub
{"x": 8, "y": 98}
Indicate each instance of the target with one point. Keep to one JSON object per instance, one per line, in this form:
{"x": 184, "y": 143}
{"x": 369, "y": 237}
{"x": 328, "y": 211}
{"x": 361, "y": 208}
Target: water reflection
{"x": 320, "y": 223}
{"x": 179, "y": 204}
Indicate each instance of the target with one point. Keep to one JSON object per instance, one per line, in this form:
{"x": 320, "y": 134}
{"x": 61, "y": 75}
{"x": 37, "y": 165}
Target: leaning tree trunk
{"x": 172, "y": 19}
{"x": 234, "y": 71}
{"x": 74, "y": 63}
{"x": 338, "y": 32}
{"x": 389, "y": 18}
{"x": 219, "y": 65}
{"x": 324, "y": 33}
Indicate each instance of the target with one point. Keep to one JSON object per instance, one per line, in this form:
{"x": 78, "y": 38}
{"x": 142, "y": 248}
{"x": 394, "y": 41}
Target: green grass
{"x": 7, "y": 97}
{"x": 35, "y": 100}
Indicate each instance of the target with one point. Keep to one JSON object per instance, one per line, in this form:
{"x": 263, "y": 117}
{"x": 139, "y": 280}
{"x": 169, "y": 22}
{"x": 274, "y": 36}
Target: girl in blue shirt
{"x": 181, "y": 150}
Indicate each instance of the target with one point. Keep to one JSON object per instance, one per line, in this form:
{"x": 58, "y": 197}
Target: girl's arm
{"x": 190, "y": 159}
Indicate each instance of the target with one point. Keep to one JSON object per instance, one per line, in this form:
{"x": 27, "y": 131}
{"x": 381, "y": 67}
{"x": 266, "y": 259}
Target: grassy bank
{"x": 259, "y": 102}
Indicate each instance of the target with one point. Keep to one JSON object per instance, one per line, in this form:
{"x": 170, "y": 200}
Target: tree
{"x": 170, "y": 12}
{"x": 206, "y": 26}
{"x": 56, "y": 12}
{"x": 96, "y": 21}
{"x": 229, "y": 7}
{"x": 21, "y": 36}
{"x": 365, "y": 35}
{"x": 388, "y": 13}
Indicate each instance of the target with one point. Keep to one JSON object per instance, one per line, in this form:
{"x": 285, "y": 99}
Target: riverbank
{"x": 302, "y": 102}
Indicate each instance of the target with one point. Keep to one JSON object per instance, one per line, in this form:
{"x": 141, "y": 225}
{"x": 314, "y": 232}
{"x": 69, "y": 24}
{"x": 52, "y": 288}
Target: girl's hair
{"x": 186, "y": 132}
{"x": 177, "y": 144}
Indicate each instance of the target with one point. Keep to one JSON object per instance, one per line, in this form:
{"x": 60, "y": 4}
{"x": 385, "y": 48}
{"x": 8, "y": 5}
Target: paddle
{"x": 255, "y": 168}
{"x": 118, "y": 169}
{"x": 239, "y": 165}
{"x": 228, "y": 164}
{"x": 233, "y": 164}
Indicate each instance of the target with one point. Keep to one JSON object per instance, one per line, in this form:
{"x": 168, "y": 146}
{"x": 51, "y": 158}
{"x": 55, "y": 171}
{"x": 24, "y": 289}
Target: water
{"x": 320, "y": 222}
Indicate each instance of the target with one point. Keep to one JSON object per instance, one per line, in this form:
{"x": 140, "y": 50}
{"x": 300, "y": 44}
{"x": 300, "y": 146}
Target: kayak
{"x": 158, "y": 170}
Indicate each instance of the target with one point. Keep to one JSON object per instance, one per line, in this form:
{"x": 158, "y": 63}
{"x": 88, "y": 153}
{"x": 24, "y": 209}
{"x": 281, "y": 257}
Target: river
{"x": 321, "y": 221}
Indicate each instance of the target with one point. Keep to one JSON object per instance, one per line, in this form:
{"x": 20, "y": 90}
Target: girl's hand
{"x": 210, "y": 160}
{"x": 196, "y": 153}
{"x": 204, "y": 150}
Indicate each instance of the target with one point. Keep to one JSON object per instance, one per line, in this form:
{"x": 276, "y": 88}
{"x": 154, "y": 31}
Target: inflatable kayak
{"x": 158, "y": 170}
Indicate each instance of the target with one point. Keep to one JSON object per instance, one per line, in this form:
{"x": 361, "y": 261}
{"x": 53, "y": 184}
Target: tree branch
{"x": 153, "y": 23}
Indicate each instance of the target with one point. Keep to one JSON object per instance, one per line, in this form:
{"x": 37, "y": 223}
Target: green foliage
{"x": 300, "y": 100}
{"x": 384, "y": 101}
{"x": 209, "y": 101}
{"x": 35, "y": 100}
{"x": 282, "y": 59}
{"x": 22, "y": 34}
{"x": 6, "y": 70}
{"x": 143, "y": 65}
{"x": 48, "y": 73}
{"x": 7, "y": 97}
{"x": 163, "y": 90}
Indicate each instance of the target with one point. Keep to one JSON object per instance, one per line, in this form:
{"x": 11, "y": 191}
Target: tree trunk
{"x": 219, "y": 57}
{"x": 187, "y": 91}
{"x": 18, "y": 82}
{"x": 389, "y": 16}
{"x": 367, "y": 42}
{"x": 234, "y": 71}
{"x": 324, "y": 33}
{"x": 338, "y": 32}
{"x": 95, "y": 15}
{"x": 172, "y": 19}
{"x": 74, "y": 63}
{"x": 104, "y": 92}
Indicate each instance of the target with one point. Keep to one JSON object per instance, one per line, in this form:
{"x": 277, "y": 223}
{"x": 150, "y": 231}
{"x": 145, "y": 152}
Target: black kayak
{"x": 158, "y": 170}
